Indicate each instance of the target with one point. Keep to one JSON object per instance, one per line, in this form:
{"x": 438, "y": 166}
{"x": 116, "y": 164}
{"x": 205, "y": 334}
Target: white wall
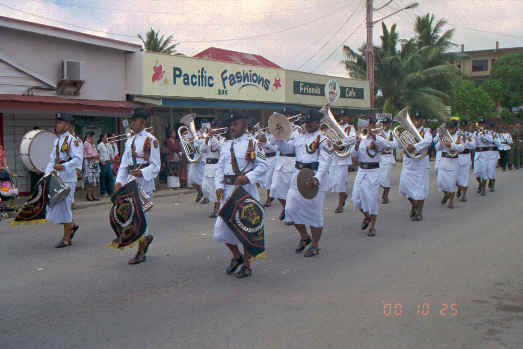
{"x": 103, "y": 69}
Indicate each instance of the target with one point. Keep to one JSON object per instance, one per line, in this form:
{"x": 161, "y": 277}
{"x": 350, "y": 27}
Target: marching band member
{"x": 386, "y": 158}
{"x": 270, "y": 150}
{"x": 493, "y": 157}
{"x": 448, "y": 167}
{"x": 339, "y": 169}
{"x": 195, "y": 169}
{"x": 141, "y": 159}
{"x": 66, "y": 157}
{"x": 464, "y": 161}
{"x": 312, "y": 151}
{"x": 505, "y": 145}
{"x": 415, "y": 173}
{"x": 284, "y": 170}
{"x": 366, "y": 188}
{"x": 241, "y": 162}
{"x": 211, "y": 152}
{"x": 486, "y": 157}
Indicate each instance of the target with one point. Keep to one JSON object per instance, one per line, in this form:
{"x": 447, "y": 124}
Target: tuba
{"x": 334, "y": 132}
{"x": 445, "y": 136}
{"x": 406, "y": 133}
{"x": 189, "y": 126}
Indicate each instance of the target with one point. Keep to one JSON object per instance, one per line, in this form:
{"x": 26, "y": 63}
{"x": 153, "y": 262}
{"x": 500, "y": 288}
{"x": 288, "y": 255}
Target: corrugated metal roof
{"x": 218, "y": 54}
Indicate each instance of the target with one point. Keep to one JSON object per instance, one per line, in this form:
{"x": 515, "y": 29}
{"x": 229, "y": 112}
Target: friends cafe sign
{"x": 178, "y": 76}
{"x": 313, "y": 89}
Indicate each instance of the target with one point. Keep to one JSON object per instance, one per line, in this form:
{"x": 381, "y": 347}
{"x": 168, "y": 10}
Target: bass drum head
{"x": 35, "y": 149}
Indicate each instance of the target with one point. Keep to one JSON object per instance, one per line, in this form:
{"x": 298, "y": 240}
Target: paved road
{"x": 88, "y": 297}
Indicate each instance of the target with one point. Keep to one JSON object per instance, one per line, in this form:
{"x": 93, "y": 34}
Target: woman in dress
{"x": 91, "y": 167}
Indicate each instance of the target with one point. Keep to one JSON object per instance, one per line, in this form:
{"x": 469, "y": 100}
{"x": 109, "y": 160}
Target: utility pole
{"x": 370, "y": 51}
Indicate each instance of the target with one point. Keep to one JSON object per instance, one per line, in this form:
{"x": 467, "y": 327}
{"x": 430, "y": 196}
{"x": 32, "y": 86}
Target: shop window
{"x": 479, "y": 65}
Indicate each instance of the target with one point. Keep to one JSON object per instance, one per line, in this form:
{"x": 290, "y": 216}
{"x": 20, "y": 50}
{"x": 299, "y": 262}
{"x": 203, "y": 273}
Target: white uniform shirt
{"x": 299, "y": 145}
{"x": 470, "y": 144}
{"x": 252, "y": 169}
{"x": 454, "y": 147}
{"x": 388, "y": 159}
{"x": 425, "y": 143}
{"x": 505, "y": 140}
{"x": 269, "y": 146}
{"x": 150, "y": 172}
{"x": 362, "y": 154}
{"x": 70, "y": 153}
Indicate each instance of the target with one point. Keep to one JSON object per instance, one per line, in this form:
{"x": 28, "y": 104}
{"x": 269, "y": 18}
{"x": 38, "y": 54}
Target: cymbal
{"x": 279, "y": 126}
{"x": 306, "y": 190}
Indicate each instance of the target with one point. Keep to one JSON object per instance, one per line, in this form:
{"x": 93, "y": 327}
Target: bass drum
{"x": 35, "y": 149}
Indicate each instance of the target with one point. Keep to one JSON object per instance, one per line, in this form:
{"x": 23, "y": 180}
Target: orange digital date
{"x": 424, "y": 309}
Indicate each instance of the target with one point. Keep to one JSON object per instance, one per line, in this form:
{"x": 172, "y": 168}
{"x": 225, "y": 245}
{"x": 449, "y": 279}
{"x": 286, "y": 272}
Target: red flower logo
{"x": 277, "y": 83}
{"x": 158, "y": 72}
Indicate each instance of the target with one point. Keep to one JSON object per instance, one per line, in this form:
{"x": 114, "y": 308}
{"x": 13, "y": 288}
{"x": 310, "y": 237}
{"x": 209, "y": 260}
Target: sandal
{"x": 244, "y": 272}
{"x": 137, "y": 259}
{"x": 62, "y": 243}
{"x": 365, "y": 223}
{"x": 282, "y": 215}
{"x": 339, "y": 209}
{"x": 235, "y": 263}
{"x": 371, "y": 232}
{"x": 311, "y": 252}
{"x": 302, "y": 244}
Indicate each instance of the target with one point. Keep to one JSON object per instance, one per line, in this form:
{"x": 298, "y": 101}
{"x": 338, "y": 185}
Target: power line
{"x": 317, "y": 19}
{"x": 334, "y": 51}
{"x": 330, "y": 39}
{"x": 119, "y": 9}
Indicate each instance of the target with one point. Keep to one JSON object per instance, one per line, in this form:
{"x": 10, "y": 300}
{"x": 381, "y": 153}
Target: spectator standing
{"x": 106, "y": 170}
{"x": 173, "y": 154}
{"x": 91, "y": 167}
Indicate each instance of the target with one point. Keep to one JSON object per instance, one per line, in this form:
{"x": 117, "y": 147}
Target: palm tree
{"x": 153, "y": 42}
{"x": 413, "y": 76}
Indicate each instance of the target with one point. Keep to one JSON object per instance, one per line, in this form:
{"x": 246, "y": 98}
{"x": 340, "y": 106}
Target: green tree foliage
{"x": 505, "y": 85}
{"x": 153, "y": 42}
{"x": 416, "y": 75}
{"x": 470, "y": 102}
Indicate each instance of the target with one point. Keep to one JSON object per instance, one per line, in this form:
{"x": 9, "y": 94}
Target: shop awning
{"x": 52, "y": 103}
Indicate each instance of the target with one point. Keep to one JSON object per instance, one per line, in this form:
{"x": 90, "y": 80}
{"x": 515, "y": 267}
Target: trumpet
{"x": 222, "y": 131}
{"x": 125, "y": 136}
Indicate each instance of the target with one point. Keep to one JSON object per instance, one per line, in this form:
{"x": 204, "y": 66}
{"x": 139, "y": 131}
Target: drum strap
{"x": 58, "y": 147}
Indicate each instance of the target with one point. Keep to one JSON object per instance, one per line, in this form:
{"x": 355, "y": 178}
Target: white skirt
{"x": 447, "y": 175}
{"x": 338, "y": 178}
{"x": 304, "y": 211}
{"x": 413, "y": 183}
{"x": 463, "y": 175}
{"x": 366, "y": 190}
{"x": 266, "y": 180}
{"x": 384, "y": 175}
{"x": 208, "y": 188}
{"x": 222, "y": 233}
{"x": 281, "y": 183}
{"x": 61, "y": 212}
{"x": 194, "y": 173}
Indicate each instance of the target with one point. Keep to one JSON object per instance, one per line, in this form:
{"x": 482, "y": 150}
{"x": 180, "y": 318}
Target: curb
{"x": 158, "y": 194}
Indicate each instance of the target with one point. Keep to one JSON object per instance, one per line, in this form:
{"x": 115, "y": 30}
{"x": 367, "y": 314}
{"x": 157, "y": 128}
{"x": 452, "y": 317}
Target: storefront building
{"x": 44, "y": 70}
{"x": 178, "y": 85}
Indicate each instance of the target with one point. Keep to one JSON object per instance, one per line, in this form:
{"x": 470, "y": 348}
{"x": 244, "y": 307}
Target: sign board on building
{"x": 310, "y": 89}
{"x": 178, "y": 76}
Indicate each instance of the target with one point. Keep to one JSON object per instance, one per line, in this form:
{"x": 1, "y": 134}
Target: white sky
{"x": 296, "y": 34}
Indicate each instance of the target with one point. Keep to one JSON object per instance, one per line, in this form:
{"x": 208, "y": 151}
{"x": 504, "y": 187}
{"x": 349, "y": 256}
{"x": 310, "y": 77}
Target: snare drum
{"x": 35, "y": 149}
